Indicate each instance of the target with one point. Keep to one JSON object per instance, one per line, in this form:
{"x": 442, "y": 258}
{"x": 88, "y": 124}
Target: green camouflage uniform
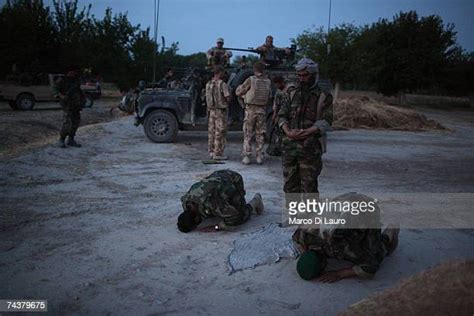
{"x": 366, "y": 248}
{"x": 71, "y": 103}
{"x": 222, "y": 195}
{"x": 302, "y": 159}
{"x": 274, "y": 144}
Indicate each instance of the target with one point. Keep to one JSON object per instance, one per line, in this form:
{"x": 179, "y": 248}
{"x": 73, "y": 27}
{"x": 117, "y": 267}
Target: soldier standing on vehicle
{"x": 72, "y": 99}
{"x": 218, "y": 55}
{"x": 304, "y": 118}
{"x": 256, "y": 91}
{"x": 221, "y": 195}
{"x": 166, "y": 81}
{"x": 268, "y": 52}
{"x": 217, "y": 100}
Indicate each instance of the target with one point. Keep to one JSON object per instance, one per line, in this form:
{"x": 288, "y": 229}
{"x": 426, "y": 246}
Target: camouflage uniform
{"x": 302, "y": 159}
{"x": 269, "y": 53}
{"x": 72, "y": 104}
{"x": 366, "y": 248}
{"x": 222, "y": 195}
{"x": 274, "y": 145}
{"x": 216, "y": 93}
{"x": 218, "y": 56}
{"x": 254, "y": 119}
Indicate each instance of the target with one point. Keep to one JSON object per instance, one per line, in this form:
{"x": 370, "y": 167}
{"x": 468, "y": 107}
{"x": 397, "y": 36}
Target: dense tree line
{"x": 37, "y": 38}
{"x": 407, "y": 54}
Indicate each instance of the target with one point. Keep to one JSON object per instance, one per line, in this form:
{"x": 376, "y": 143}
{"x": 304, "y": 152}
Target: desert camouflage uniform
{"x": 254, "y": 120}
{"x": 366, "y": 248}
{"x": 269, "y": 53}
{"x": 218, "y": 90}
{"x": 222, "y": 195}
{"x": 218, "y": 56}
{"x": 72, "y": 104}
{"x": 302, "y": 159}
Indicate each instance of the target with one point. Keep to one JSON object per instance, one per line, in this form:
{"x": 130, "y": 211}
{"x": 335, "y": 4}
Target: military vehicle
{"x": 164, "y": 111}
{"x": 23, "y": 96}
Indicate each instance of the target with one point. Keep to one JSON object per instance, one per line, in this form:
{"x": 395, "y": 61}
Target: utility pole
{"x": 329, "y": 28}
{"x": 156, "y": 14}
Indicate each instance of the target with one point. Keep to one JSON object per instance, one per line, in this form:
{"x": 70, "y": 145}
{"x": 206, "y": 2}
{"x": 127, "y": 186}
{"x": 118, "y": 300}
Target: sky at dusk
{"x": 196, "y": 24}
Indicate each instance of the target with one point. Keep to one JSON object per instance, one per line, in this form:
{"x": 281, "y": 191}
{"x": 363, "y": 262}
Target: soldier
{"x": 365, "y": 246}
{"x": 218, "y": 55}
{"x": 270, "y": 53}
{"x": 221, "y": 195}
{"x": 217, "y": 100}
{"x": 256, "y": 91}
{"x": 304, "y": 118}
{"x": 71, "y": 98}
{"x": 166, "y": 81}
{"x": 274, "y": 146}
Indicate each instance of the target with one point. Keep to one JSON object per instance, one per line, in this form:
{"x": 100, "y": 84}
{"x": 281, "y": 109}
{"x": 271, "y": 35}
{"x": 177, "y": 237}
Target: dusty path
{"x": 21, "y": 131}
{"x": 93, "y": 230}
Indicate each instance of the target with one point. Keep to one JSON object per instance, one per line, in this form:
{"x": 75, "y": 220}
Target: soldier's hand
{"x": 305, "y": 133}
{"x": 207, "y": 229}
{"x": 294, "y": 134}
{"x": 334, "y": 276}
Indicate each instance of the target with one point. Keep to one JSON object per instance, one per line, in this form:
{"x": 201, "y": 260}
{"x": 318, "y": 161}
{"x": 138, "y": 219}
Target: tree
{"x": 27, "y": 34}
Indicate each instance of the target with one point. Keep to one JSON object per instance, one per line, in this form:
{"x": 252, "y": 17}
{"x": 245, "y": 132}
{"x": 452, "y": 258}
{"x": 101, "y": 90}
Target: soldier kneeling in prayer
{"x": 362, "y": 243}
{"x": 221, "y": 195}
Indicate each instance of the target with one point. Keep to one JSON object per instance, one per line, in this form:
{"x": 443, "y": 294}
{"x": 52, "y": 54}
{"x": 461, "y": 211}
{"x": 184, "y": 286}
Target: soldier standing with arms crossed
{"x": 217, "y": 99}
{"x": 256, "y": 92}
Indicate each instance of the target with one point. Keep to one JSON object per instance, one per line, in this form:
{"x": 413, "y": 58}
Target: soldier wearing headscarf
{"x": 304, "y": 117}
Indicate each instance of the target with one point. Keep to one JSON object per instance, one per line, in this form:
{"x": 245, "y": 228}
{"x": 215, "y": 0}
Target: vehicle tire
{"x": 240, "y": 78}
{"x": 13, "y": 105}
{"x": 25, "y": 102}
{"x": 161, "y": 126}
{"x": 89, "y": 101}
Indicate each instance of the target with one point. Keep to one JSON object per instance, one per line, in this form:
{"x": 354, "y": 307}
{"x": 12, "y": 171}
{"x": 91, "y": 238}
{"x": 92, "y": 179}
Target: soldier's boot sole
{"x": 257, "y": 204}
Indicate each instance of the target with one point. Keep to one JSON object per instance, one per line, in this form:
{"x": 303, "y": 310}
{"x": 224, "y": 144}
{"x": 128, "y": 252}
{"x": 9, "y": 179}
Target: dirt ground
{"x": 21, "y": 131}
{"x": 93, "y": 230}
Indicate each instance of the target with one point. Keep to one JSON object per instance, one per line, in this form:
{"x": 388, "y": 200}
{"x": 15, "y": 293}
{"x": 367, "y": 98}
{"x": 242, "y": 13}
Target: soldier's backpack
{"x": 212, "y": 90}
{"x": 259, "y": 93}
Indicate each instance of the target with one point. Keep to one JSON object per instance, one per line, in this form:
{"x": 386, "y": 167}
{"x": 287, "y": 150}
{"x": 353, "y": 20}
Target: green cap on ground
{"x": 309, "y": 265}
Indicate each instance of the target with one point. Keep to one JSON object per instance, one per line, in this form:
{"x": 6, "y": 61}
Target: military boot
{"x": 246, "y": 160}
{"x": 72, "y": 142}
{"x": 61, "y": 143}
{"x": 257, "y": 204}
{"x": 259, "y": 160}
